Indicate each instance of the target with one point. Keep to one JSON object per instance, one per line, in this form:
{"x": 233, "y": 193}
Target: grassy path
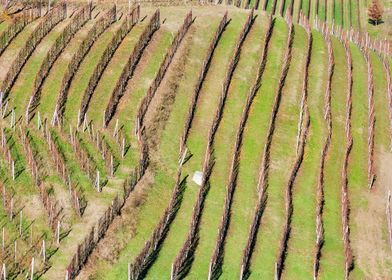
{"x": 253, "y": 143}
{"x": 28, "y": 195}
{"x": 299, "y": 263}
{"x": 242, "y": 80}
{"x": 60, "y": 191}
{"x": 282, "y": 158}
{"x": 52, "y": 83}
{"x": 162, "y": 185}
{"x": 4, "y": 25}
{"x": 208, "y": 101}
{"x": 111, "y": 74}
{"x": 358, "y": 162}
{"x": 83, "y": 74}
{"x": 14, "y": 47}
{"x": 21, "y": 91}
{"x": 332, "y": 259}
{"x": 381, "y": 106}
{"x": 139, "y": 84}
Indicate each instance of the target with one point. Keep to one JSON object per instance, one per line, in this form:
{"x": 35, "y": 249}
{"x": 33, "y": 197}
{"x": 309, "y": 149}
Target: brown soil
{"x": 109, "y": 248}
{"x": 373, "y": 254}
{"x": 160, "y": 107}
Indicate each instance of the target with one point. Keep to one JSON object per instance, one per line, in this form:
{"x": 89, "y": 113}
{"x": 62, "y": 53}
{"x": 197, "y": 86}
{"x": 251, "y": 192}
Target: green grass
{"x": 242, "y": 80}
{"x": 52, "y": 84}
{"x": 27, "y": 193}
{"x": 109, "y": 78}
{"x": 380, "y": 105}
{"x": 357, "y": 172}
{"x": 299, "y": 262}
{"x": 3, "y": 26}
{"x": 337, "y": 13}
{"x": 127, "y": 109}
{"x": 197, "y": 141}
{"x": 83, "y": 74}
{"x": 253, "y": 142}
{"x": 159, "y": 195}
{"x": 322, "y": 13}
{"x": 14, "y": 47}
{"x": 282, "y": 159}
{"x": 332, "y": 262}
{"x": 51, "y": 177}
{"x": 354, "y": 14}
{"x": 23, "y": 87}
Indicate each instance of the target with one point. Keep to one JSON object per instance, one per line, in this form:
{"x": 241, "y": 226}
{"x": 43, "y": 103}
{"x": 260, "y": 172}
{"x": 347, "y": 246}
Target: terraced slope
{"x": 286, "y": 123}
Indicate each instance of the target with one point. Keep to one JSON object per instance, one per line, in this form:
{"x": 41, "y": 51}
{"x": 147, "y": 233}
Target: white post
{"x": 38, "y": 121}
{"x": 123, "y": 148}
{"x": 58, "y": 232}
{"x": 28, "y": 108}
{"x": 12, "y": 208}
{"x": 32, "y": 269}
{"x": 115, "y": 129}
{"x": 13, "y": 170}
{"x": 4, "y": 272}
{"x": 111, "y": 165}
{"x": 43, "y": 251}
{"x": 78, "y": 119}
{"x": 97, "y": 182}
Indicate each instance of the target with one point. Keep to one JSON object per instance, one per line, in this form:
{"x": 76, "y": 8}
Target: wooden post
{"x": 12, "y": 209}
{"x": 4, "y": 110}
{"x": 3, "y": 240}
{"x": 20, "y": 222}
{"x": 31, "y": 234}
{"x": 15, "y": 247}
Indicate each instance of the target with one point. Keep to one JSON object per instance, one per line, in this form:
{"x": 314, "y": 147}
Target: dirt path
{"x": 371, "y": 244}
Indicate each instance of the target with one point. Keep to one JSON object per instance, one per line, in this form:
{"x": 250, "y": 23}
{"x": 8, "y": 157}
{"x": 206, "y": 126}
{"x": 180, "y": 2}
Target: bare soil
{"x": 373, "y": 254}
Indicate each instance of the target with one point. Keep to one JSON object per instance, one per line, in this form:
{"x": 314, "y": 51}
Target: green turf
{"x": 83, "y": 74}
{"x": 301, "y": 246}
{"x": 9, "y": 55}
{"x": 358, "y": 159}
{"x": 52, "y": 84}
{"x": 253, "y": 143}
{"x": 197, "y": 141}
{"x": 282, "y": 159}
{"x": 332, "y": 261}
{"x": 108, "y": 81}
{"x": 162, "y": 182}
{"x": 242, "y": 80}
{"x": 127, "y": 109}
{"x": 22, "y": 89}
{"x": 3, "y": 26}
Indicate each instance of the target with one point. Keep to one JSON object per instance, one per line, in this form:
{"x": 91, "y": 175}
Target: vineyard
{"x": 241, "y": 140}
